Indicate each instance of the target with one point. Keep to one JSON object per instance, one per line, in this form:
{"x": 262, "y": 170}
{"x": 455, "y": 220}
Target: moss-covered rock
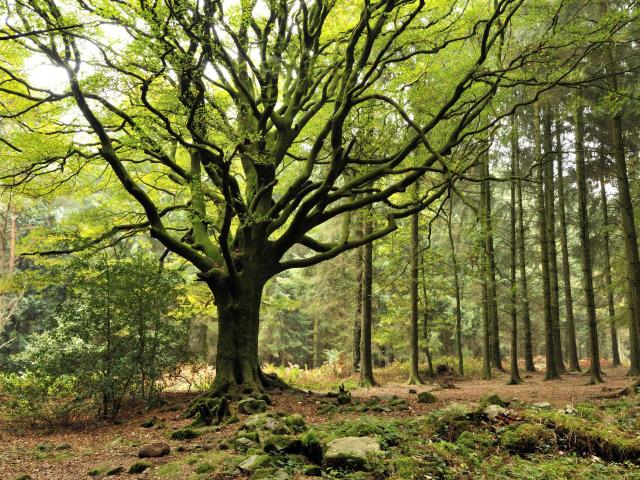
{"x": 427, "y": 397}
{"x": 115, "y": 471}
{"x": 295, "y": 423}
{"x": 475, "y": 441}
{"x": 184, "y": 434}
{"x": 351, "y": 453}
{"x": 253, "y": 462}
{"x": 140, "y": 467}
{"x": 526, "y": 438}
{"x": 204, "y": 467}
{"x": 492, "y": 399}
{"x": 312, "y": 446}
{"x": 252, "y": 406}
{"x": 282, "y": 444}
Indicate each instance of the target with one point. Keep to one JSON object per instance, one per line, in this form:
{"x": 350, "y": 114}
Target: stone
{"x": 351, "y": 453}
{"x": 295, "y": 423}
{"x": 115, "y": 471}
{"x": 541, "y": 405}
{"x": 156, "y": 449}
{"x": 492, "y": 399}
{"x": 427, "y": 397}
{"x": 493, "y": 411}
{"x": 62, "y": 447}
{"x": 312, "y": 471}
{"x": 282, "y": 444}
{"x": 252, "y": 463}
{"x": 242, "y": 444}
{"x": 184, "y": 434}
{"x": 251, "y": 406}
{"x": 413, "y": 391}
{"x": 139, "y": 467}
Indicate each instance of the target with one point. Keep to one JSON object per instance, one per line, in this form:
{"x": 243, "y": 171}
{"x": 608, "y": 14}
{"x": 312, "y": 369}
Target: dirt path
{"x": 40, "y": 454}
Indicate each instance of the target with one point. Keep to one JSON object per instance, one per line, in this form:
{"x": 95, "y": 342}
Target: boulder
{"x": 251, "y": 406}
{"x": 427, "y": 397}
{"x": 252, "y": 463}
{"x": 156, "y": 449}
{"x": 139, "y": 467}
{"x": 493, "y": 411}
{"x": 351, "y": 453}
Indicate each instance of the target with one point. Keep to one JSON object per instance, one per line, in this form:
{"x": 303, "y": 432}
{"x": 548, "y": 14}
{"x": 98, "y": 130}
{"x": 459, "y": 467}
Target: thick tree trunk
{"x": 456, "y": 288}
{"x": 366, "y": 362}
{"x": 524, "y": 289}
{"x": 551, "y": 236}
{"x": 587, "y": 269}
{"x": 515, "y": 373}
{"x": 414, "y": 373}
{"x": 491, "y": 265}
{"x": 615, "y": 352}
{"x": 574, "y": 365}
{"x": 237, "y": 361}
{"x": 425, "y": 322}
{"x": 552, "y": 371}
{"x": 357, "y": 321}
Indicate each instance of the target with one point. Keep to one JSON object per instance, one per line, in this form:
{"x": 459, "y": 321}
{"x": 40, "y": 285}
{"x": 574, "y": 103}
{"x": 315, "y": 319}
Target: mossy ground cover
{"x": 451, "y": 438}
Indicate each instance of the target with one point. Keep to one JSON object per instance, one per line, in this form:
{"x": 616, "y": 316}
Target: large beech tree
{"x": 234, "y": 128}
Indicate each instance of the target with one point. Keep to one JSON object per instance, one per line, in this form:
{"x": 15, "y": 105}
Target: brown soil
{"x": 109, "y": 445}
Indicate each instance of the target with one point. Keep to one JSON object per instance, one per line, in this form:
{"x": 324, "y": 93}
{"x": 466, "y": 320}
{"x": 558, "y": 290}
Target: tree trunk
{"x": 491, "y": 265}
{"x": 456, "y": 288}
{"x": 414, "y": 374}
{"x": 629, "y": 234}
{"x": 357, "y": 321}
{"x": 524, "y": 290}
{"x": 552, "y": 371}
{"x": 574, "y": 365}
{"x": 551, "y": 236}
{"x": 317, "y": 343}
{"x": 366, "y": 363}
{"x": 615, "y": 352}
{"x": 587, "y": 270}
{"x": 425, "y": 322}
{"x": 515, "y": 373}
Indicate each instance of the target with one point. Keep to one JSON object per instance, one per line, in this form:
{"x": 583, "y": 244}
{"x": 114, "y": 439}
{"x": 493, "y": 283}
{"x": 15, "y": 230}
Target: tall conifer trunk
{"x": 366, "y": 359}
{"x": 574, "y": 365}
{"x": 615, "y": 353}
{"x": 587, "y": 269}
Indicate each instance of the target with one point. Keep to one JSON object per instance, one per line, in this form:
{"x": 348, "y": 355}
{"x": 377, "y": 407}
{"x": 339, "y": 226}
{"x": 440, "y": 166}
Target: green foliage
{"x": 116, "y": 335}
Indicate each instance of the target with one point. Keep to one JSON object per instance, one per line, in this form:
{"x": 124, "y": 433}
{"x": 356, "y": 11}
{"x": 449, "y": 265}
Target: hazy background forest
{"x": 274, "y": 217}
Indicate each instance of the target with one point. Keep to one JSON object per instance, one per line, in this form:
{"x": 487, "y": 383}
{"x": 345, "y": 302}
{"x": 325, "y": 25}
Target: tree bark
{"x": 551, "y": 236}
{"x": 615, "y": 352}
{"x": 552, "y": 371}
{"x": 524, "y": 290}
{"x": 587, "y": 269}
{"x": 366, "y": 361}
{"x": 456, "y": 288}
{"x": 357, "y": 321}
{"x": 515, "y": 373}
{"x": 491, "y": 265}
{"x": 414, "y": 373}
{"x": 574, "y": 365}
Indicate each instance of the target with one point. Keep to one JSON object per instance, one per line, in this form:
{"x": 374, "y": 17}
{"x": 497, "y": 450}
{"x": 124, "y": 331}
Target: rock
{"x": 351, "y": 453}
{"x": 156, "y": 449}
{"x": 312, "y": 471}
{"x": 62, "y": 447}
{"x": 148, "y": 423}
{"x": 184, "y": 434}
{"x": 139, "y": 467}
{"x": 413, "y": 391}
{"x": 295, "y": 423}
{"x": 427, "y": 397}
{"x": 492, "y": 411}
{"x": 252, "y": 463}
{"x": 243, "y": 444}
{"x": 541, "y": 405}
{"x": 282, "y": 444}
{"x": 492, "y": 399}
{"x": 251, "y": 406}
{"x": 115, "y": 471}
{"x": 527, "y": 438}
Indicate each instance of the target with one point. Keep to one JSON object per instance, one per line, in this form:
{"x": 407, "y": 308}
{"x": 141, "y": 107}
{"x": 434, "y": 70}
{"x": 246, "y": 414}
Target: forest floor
{"x": 450, "y": 438}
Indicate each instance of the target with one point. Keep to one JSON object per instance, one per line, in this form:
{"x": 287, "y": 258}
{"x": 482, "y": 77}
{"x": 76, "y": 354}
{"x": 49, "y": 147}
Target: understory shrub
{"x": 119, "y": 331}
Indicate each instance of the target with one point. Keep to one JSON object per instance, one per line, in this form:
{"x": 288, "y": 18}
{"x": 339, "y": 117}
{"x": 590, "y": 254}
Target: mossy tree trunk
{"x": 552, "y": 371}
{"x": 574, "y": 365}
{"x": 524, "y": 288}
{"x": 615, "y": 352}
{"x": 366, "y": 359}
{"x": 414, "y": 373}
{"x": 515, "y": 373}
{"x": 456, "y": 289}
{"x": 552, "y": 251}
{"x": 585, "y": 253}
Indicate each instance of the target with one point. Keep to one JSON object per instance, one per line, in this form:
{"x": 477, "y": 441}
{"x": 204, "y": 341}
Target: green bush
{"x": 119, "y": 331}
{"x": 40, "y": 399}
